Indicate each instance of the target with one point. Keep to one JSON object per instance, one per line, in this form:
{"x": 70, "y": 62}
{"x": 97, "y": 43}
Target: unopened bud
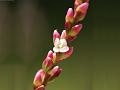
{"x": 82, "y": 8}
{"x": 81, "y": 11}
{"x": 55, "y": 72}
{"x": 47, "y": 64}
{"x": 39, "y": 78}
{"x": 72, "y": 34}
{"x": 70, "y": 15}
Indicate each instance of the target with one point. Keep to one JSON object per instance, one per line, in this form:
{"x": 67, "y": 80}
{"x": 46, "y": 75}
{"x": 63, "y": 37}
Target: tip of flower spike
{"x": 82, "y": 8}
{"x": 81, "y": 11}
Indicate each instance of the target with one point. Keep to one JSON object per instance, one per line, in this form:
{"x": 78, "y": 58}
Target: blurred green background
{"x": 26, "y": 28}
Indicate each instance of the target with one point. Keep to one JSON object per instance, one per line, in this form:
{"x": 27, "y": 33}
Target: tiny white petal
{"x": 55, "y": 49}
{"x": 56, "y": 43}
{"x": 63, "y": 42}
{"x": 64, "y": 49}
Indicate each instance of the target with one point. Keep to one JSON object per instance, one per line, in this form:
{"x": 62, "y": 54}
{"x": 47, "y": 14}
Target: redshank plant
{"x": 61, "y": 49}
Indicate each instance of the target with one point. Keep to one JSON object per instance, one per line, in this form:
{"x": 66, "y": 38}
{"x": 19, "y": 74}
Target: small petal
{"x": 55, "y": 49}
{"x": 56, "y": 43}
{"x": 64, "y": 49}
{"x": 63, "y": 42}
{"x": 63, "y": 35}
{"x": 55, "y": 35}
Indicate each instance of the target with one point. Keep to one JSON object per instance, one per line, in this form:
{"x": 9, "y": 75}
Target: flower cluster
{"x": 61, "y": 49}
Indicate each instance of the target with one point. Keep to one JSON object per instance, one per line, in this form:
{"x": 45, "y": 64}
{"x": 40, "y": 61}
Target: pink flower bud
{"x": 50, "y": 54}
{"x": 70, "y": 15}
{"x": 62, "y": 56}
{"x": 55, "y": 35}
{"x": 42, "y": 87}
{"x": 47, "y": 64}
{"x": 80, "y": 12}
{"x": 82, "y": 8}
{"x": 77, "y": 28}
{"x": 72, "y": 34}
{"x": 39, "y": 78}
{"x": 55, "y": 72}
{"x": 63, "y": 35}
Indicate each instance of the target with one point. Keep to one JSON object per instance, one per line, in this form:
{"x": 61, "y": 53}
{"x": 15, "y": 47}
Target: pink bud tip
{"x": 82, "y": 8}
{"x": 56, "y": 71}
{"x": 69, "y": 15}
{"x": 77, "y": 28}
{"x": 55, "y": 35}
{"x": 50, "y": 54}
{"x": 63, "y": 35}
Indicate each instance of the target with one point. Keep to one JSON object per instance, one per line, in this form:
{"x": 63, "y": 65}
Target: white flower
{"x": 60, "y": 45}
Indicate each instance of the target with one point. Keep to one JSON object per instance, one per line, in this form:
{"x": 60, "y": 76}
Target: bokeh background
{"x": 26, "y": 28}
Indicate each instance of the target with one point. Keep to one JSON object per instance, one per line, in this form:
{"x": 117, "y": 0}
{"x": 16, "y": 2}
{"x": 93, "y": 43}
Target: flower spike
{"x": 61, "y": 50}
